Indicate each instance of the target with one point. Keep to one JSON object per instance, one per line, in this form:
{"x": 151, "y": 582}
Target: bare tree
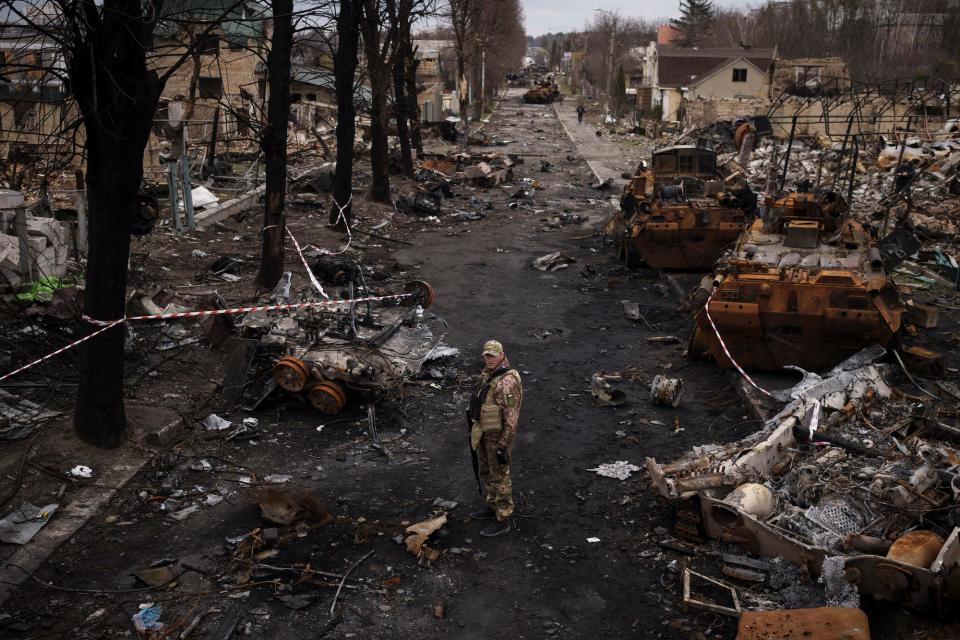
{"x": 345, "y": 70}
{"x": 274, "y": 143}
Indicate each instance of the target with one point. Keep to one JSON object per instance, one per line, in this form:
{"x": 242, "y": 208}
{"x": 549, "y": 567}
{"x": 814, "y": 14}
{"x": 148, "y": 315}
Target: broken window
{"x": 211, "y": 88}
{"x": 24, "y": 116}
{"x": 805, "y": 74}
{"x": 208, "y": 43}
{"x": 739, "y": 75}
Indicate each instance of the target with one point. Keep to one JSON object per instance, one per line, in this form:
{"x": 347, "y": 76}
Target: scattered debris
{"x": 553, "y": 261}
{"x": 20, "y": 525}
{"x": 148, "y": 618}
{"x": 81, "y": 471}
{"x": 712, "y": 589}
{"x": 666, "y": 391}
{"x": 419, "y": 536}
{"x": 620, "y": 470}
{"x": 603, "y": 390}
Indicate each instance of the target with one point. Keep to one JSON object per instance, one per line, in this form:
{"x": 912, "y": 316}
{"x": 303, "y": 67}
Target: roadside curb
{"x": 69, "y": 520}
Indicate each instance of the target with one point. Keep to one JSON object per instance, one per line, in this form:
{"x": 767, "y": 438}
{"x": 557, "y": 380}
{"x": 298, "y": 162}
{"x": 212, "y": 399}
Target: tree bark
{"x": 403, "y": 127}
{"x": 344, "y": 71}
{"x": 413, "y": 110}
{"x": 378, "y": 73}
{"x": 400, "y": 102}
{"x": 117, "y": 96}
{"x": 274, "y": 144}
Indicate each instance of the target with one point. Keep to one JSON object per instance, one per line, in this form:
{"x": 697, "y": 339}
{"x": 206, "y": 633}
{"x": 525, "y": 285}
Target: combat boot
{"x": 487, "y": 513}
{"x": 497, "y": 528}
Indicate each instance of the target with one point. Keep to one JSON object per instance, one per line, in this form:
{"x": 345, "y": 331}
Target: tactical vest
{"x": 490, "y": 413}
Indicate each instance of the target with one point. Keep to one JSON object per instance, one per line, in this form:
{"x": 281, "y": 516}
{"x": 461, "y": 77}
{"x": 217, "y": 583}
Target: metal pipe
{"x": 786, "y": 158}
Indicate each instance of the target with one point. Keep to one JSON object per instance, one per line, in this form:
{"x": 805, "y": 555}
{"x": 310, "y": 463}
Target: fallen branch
{"x": 345, "y": 575}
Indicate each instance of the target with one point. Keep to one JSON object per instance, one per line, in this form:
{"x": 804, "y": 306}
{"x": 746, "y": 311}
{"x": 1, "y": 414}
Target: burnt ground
{"x": 542, "y": 580}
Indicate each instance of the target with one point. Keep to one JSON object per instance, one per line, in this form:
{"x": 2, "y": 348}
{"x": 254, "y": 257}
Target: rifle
{"x": 473, "y": 454}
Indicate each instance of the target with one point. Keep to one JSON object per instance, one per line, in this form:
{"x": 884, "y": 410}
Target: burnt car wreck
{"x": 853, "y": 478}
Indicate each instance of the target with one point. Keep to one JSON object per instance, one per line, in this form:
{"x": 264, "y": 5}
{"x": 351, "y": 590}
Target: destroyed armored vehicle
{"x": 682, "y": 214}
{"x": 805, "y": 285}
{"x": 326, "y": 353}
{"x": 853, "y": 481}
{"x": 542, "y": 93}
{"x": 369, "y": 351}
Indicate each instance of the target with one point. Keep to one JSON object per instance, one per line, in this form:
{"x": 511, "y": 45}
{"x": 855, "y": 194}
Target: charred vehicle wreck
{"x": 853, "y": 481}
{"x": 805, "y": 285}
{"x": 682, "y": 213}
{"x": 325, "y": 355}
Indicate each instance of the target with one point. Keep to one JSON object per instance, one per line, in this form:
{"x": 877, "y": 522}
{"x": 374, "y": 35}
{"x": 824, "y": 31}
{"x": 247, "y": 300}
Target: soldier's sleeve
{"x": 509, "y": 397}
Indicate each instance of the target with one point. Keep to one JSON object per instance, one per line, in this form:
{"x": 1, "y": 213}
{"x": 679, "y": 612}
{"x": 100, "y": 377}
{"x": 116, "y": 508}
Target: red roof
{"x": 679, "y": 67}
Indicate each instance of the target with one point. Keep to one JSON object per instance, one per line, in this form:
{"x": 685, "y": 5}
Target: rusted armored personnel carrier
{"x": 682, "y": 214}
{"x": 542, "y": 93}
{"x": 803, "y": 286}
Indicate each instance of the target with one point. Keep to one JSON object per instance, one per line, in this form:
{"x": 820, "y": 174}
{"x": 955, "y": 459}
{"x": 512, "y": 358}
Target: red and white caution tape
{"x": 723, "y": 345}
{"x": 341, "y": 216}
{"x": 313, "y": 278}
{"x": 108, "y": 324}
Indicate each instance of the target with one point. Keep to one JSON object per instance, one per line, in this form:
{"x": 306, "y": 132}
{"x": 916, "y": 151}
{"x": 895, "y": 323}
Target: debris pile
{"x": 31, "y": 246}
{"x": 850, "y": 468}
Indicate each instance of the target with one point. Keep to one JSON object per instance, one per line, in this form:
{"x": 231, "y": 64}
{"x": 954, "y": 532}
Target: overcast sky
{"x": 545, "y": 16}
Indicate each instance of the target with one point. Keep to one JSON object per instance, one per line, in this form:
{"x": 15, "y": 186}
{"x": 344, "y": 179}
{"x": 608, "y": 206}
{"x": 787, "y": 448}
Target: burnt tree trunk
{"x": 117, "y": 97}
{"x": 401, "y": 26}
{"x": 413, "y": 110}
{"x": 380, "y": 179}
{"x": 274, "y": 144}
{"x": 376, "y": 46}
{"x": 344, "y": 72}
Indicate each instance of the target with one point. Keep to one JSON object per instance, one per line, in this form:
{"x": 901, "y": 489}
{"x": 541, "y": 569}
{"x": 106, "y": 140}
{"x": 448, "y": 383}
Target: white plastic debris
{"x": 250, "y": 422}
{"x": 276, "y": 478}
{"x": 213, "y": 422}
{"x": 81, "y": 471}
{"x": 201, "y": 465}
{"x": 202, "y": 197}
{"x": 184, "y": 513}
{"x": 593, "y": 540}
{"x": 621, "y": 469}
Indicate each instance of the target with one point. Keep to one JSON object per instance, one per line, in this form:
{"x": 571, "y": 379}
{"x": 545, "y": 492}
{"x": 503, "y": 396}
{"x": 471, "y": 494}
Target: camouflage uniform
{"x": 500, "y": 414}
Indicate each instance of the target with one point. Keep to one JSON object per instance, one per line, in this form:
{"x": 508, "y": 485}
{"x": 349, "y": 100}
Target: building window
{"x": 208, "y": 43}
{"x": 211, "y": 88}
{"x": 739, "y": 75}
{"x": 807, "y": 74}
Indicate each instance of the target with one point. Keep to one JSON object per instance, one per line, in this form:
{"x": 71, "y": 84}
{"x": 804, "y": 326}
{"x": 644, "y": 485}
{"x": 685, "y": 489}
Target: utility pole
{"x": 613, "y": 35}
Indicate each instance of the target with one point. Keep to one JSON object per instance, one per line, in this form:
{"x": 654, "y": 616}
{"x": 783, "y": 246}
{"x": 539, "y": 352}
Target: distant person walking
{"x": 580, "y": 112}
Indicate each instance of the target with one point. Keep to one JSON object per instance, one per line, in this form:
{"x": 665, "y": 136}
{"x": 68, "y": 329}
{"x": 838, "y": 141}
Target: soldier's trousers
{"x": 497, "y": 486}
